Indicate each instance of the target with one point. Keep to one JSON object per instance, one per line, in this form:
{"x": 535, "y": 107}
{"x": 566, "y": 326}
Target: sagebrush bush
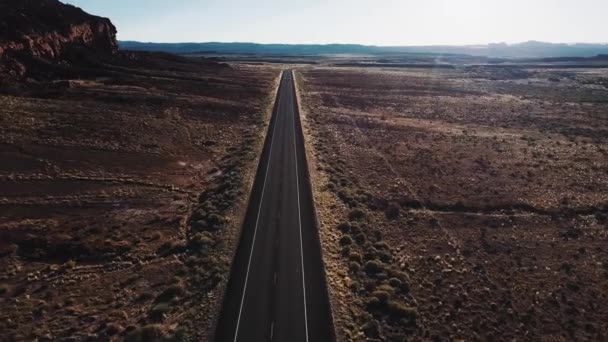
{"x": 199, "y": 214}
{"x": 385, "y": 257}
{"x": 354, "y": 266}
{"x": 399, "y": 309}
{"x": 355, "y": 227}
{"x": 392, "y": 212}
{"x": 200, "y": 225}
{"x": 344, "y": 227}
{"x": 346, "y": 240}
{"x": 373, "y": 303}
{"x": 373, "y": 267}
{"x": 354, "y": 256}
{"x": 371, "y": 253}
{"x": 170, "y": 292}
{"x": 144, "y": 296}
{"x": 371, "y": 329}
{"x": 113, "y": 329}
{"x": 382, "y": 296}
{"x": 356, "y": 215}
{"x": 386, "y": 288}
{"x": 394, "y": 282}
{"x": 360, "y": 238}
{"x": 159, "y": 312}
{"x": 146, "y": 333}
{"x": 200, "y": 241}
{"x": 214, "y": 220}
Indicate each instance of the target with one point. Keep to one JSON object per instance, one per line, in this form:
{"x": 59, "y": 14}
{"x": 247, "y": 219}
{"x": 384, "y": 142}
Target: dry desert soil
{"x": 462, "y": 204}
{"x": 455, "y": 204}
{"x": 121, "y": 197}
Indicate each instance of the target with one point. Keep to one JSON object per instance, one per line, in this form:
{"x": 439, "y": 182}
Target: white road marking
{"x": 271, "y": 330}
{"x": 238, "y": 322}
{"x": 299, "y": 218}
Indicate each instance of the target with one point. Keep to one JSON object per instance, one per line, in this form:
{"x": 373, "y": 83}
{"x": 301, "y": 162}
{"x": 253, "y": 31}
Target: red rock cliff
{"x": 46, "y": 30}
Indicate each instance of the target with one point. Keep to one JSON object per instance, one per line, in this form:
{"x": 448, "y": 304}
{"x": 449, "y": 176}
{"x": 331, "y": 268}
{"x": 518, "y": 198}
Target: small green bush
{"x": 373, "y": 303}
{"x": 209, "y": 206}
{"x": 399, "y": 309}
{"x": 113, "y": 329}
{"x": 385, "y": 257}
{"x": 170, "y": 292}
{"x": 394, "y": 282}
{"x": 355, "y": 228}
{"x": 170, "y": 247}
{"x": 386, "y": 288}
{"x": 344, "y": 227}
{"x": 147, "y": 333}
{"x": 346, "y": 240}
{"x": 354, "y": 266}
{"x": 370, "y": 254}
{"x": 200, "y": 241}
{"x": 356, "y": 215}
{"x": 354, "y": 256}
{"x": 373, "y": 267}
{"x": 377, "y": 235}
{"x": 392, "y": 212}
{"x": 347, "y": 197}
{"x": 158, "y": 311}
{"x": 381, "y": 246}
{"x": 144, "y": 296}
{"x": 200, "y": 225}
{"x": 199, "y": 214}
{"x": 382, "y": 296}
{"x": 371, "y": 329}
{"x": 214, "y": 221}
{"x": 360, "y": 238}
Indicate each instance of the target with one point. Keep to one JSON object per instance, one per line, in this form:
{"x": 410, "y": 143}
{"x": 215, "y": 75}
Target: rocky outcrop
{"x": 48, "y": 32}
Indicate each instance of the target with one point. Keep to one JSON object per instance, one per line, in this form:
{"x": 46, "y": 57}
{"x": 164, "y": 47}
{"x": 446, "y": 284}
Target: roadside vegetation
{"x": 389, "y": 309}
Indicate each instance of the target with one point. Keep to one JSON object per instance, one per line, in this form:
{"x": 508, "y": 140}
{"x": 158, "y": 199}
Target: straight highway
{"x": 277, "y": 289}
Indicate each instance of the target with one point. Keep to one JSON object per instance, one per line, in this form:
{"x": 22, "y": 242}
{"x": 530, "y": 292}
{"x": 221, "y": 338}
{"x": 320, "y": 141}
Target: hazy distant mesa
{"x": 528, "y": 49}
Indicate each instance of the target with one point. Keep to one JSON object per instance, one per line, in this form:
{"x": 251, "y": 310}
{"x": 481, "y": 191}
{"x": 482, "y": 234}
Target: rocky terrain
{"x": 123, "y": 178}
{"x": 462, "y": 204}
{"x": 35, "y": 33}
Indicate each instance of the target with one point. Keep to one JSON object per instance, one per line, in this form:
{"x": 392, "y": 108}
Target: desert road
{"x": 277, "y": 289}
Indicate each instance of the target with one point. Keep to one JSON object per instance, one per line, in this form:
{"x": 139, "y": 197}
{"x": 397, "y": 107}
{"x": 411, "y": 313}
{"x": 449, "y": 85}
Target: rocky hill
{"x": 48, "y": 32}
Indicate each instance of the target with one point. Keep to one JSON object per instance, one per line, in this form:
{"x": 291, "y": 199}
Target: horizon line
{"x": 367, "y": 45}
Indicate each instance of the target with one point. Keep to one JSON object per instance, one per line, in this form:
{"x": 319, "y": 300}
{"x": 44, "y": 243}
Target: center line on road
{"x": 238, "y": 322}
{"x": 295, "y": 154}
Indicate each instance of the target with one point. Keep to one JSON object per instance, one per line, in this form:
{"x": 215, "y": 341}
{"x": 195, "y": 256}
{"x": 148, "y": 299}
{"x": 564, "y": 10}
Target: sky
{"x": 370, "y": 22}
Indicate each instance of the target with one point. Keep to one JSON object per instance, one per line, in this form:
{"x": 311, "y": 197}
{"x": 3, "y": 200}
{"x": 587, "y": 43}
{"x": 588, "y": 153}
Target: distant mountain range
{"x": 530, "y": 49}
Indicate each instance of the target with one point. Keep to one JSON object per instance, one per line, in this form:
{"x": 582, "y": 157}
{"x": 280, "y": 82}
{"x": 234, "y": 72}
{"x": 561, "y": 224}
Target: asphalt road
{"x": 277, "y": 289}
